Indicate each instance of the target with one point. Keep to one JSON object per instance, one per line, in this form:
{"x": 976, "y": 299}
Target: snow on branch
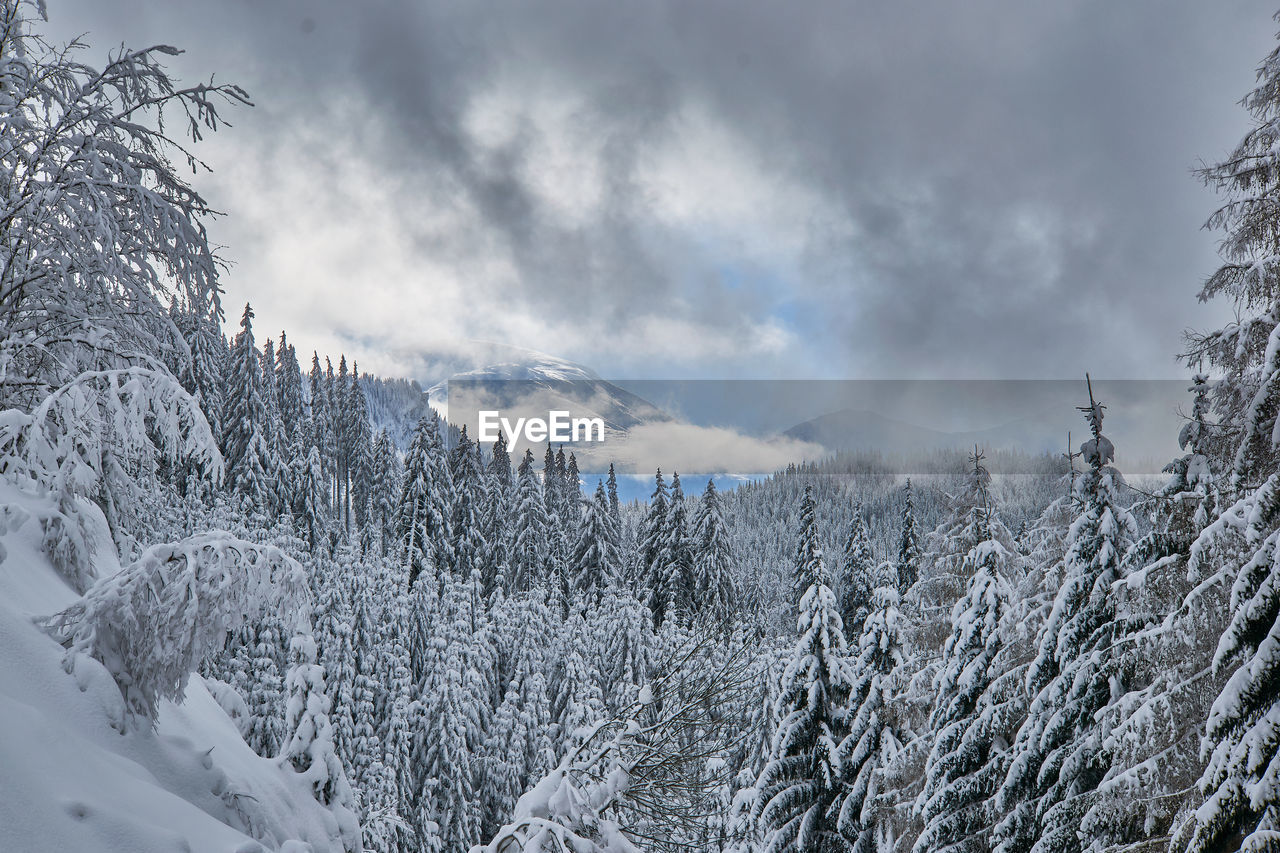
{"x": 97, "y": 438}
{"x": 127, "y": 417}
{"x": 99, "y": 231}
{"x": 631, "y": 778}
{"x": 152, "y": 623}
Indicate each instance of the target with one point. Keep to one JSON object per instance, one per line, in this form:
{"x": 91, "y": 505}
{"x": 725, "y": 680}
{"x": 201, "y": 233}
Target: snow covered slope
{"x": 70, "y": 781}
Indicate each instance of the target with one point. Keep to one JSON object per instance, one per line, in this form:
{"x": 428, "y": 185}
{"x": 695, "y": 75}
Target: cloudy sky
{"x": 718, "y": 188}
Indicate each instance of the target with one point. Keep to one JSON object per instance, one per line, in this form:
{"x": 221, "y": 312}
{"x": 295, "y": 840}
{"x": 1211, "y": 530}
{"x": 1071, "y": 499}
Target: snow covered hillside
{"x": 71, "y": 781}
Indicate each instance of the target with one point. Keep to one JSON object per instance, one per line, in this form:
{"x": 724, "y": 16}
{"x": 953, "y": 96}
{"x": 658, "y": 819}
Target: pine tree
{"x": 280, "y": 491}
{"x": 858, "y": 574}
{"x": 359, "y": 435}
{"x": 799, "y": 789}
{"x": 553, "y": 500}
{"x": 467, "y": 546}
{"x": 623, "y": 647}
{"x": 572, "y": 483}
{"x": 529, "y": 547}
{"x": 611, "y": 484}
{"x": 1241, "y": 806}
{"x": 653, "y": 571}
{"x": 393, "y": 666}
{"x": 525, "y": 632}
{"x": 309, "y": 748}
{"x": 202, "y": 375}
{"x": 504, "y": 777}
{"x": 965, "y": 767}
{"x": 495, "y": 508}
{"x": 336, "y": 385}
{"x": 809, "y": 566}
{"x": 594, "y": 568}
{"x": 450, "y": 728}
{"x": 971, "y": 518}
{"x": 320, "y": 421}
{"x": 872, "y": 739}
{"x": 500, "y": 463}
{"x": 289, "y": 390}
{"x": 333, "y": 635}
{"x": 245, "y": 447}
{"x": 1183, "y": 585}
{"x": 366, "y": 744}
{"x": 908, "y": 543}
{"x": 713, "y": 592}
{"x": 386, "y": 489}
{"x": 677, "y": 557}
{"x": 1059, "y": 756}
{"x": 578, "y": 702}
{"x": 309, "y": 483}
{"x": 421, "y": 513}
{"x": 266, "y": 704}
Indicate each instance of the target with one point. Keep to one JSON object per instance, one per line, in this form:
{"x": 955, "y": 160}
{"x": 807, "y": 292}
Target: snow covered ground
{"x": 70, "y": 781}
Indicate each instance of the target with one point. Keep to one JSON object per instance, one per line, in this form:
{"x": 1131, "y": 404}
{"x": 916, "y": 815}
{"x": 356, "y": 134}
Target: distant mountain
{"x": 536, "y": 382}
{"x": 859, "y": 429}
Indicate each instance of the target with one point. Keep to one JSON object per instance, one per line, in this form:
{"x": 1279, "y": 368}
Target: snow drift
{"x": 72, "y": 781}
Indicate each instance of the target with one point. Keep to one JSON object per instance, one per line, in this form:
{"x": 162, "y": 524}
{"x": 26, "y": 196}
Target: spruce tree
{"x": 280, "y": 493}
{"x": 386, "y": 489}
{"x": 965, "y": 766}
{"x": 308, "y": 498}
{"x": 359, "y": 448}
{"x": 653, "y": 571}
{"x": 309, "y": 746}
{"x": 321, "y": 434}
{"x": 1185, "y": 587}
{"x": 611, "y": 484}
{"x": 872, "y": 738}
{"x": 578, "y": 701}
{"x": 809, "y": 566}
{"x": 245, "y": 447}
{"x": 623, "y": 647}
{"x": 1060, "y": 756}
{"x": 908, "y": 564}
{"x": 529, "y": 550}
{"x": 202, "y": 375}
{"x": 1241, "y": 808}
{"x": 468, "y": 548}
{"x": 594, "y": 567}
{"x": 858, "y": 573}
{"x": 712, "y": 554}
{"x": 366, "y": 744}
{"x": 289, "y": 391}
{"x": 336, "y": 385}
{"x": 677, "y": 557}
{"x": 495, "y": 509}
{"x": 337, "y": 655}
{"x": 420, "y": 519}
{"x": 799, "y": 790}
{"x": 264, "y": 697}
{"x": 449, "y": 729}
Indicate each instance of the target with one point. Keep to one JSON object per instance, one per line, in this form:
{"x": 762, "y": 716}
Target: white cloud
{"x": 333, "y": 248}
{"x": 692, "y": 449}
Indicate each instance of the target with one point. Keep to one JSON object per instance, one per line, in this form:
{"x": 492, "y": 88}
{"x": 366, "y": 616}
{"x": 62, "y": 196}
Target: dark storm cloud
{"x": 973, "y": 189}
